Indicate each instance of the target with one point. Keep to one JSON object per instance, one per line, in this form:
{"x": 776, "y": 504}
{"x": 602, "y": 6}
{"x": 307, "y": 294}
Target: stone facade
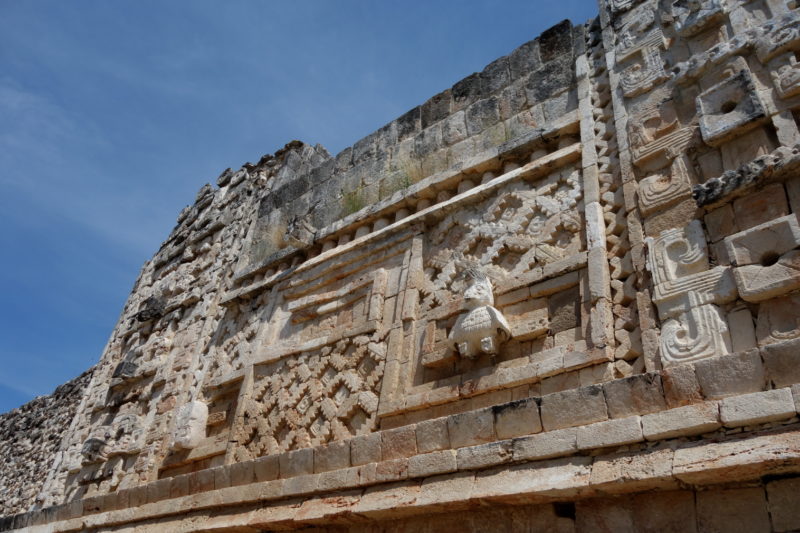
{"x": 562, "y": 294}
{"x": 31, "y": 438}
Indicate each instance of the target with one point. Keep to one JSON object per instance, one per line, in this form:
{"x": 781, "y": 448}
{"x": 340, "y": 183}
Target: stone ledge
{"x": 740, "y": 458}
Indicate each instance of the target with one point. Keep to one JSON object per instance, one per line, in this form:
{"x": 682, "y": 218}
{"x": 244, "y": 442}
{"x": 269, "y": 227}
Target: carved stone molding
{"x": 685, "y": 292}
{"x": 698, "y": 332}
{"x": 785, "y": 37}
{"x": 642, "y": 77}
{"x": 658, "y": 191}
{"x": 656, "y": 137}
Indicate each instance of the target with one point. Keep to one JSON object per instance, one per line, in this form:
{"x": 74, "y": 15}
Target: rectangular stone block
{"x": 332, "y": 456}
{"x": 517, "y": 418}
{"x": 733, "y": 510}
{"x": 297, "y": 463}
{"x": 680, "y": 385}
{"x": 267, "y": 468}
{"x": 782, "y": 361}
{"x": 398, "y": 443}
{"x": 759, "y": 243}
{"x": 432, "y": 435}
{"x": 682, "y": 421}
{"x": 242, "y": 473}
{"x": 365, "y": 449}
{"x": 528, "y": 319}
{"x": 546, "y": 445}
{"x": 757, "y": 408}
{"x": 783, "y": 508}
{"x": 393, "y": 470}
{"x": 727, "y": 375}
{"x": 573, "y": 408}
{"x": 615, "y": 432}
{"x": 470, "y": 428}
{"x": 429, "y": 464}
{"x": 484, "y": 455}
{"x": 637, "y": 395}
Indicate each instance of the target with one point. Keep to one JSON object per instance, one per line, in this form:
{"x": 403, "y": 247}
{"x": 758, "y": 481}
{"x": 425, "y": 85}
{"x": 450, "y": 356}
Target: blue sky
{"x": 114, "y": 113}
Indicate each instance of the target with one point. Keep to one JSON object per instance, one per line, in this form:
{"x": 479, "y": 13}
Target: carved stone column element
{"x": 685, "y": 292}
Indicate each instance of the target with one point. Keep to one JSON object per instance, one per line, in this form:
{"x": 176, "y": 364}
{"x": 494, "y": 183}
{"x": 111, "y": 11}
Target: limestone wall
{"x": 30, "y": 437}
{"x": 571, "y": 276}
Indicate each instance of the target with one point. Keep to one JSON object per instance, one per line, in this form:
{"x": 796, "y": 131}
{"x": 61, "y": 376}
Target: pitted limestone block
{"x": 758, "y": 283}
{"x": 778, "y": 320}
{"x": 729, "y": 109}
{"x": 764, "y": 243}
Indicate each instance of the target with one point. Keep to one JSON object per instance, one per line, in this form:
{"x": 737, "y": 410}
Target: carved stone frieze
{"x": 641, "y": 77}
{"x": 699, "y": 331}
{"x": 780, "y": 37}
{"x": 656, "y": 137}
{"x": 661, "y": 190}
{"x": 313, "y": 398}
{"x": 523, "y": 226}
{"x": 778, "y": 319}
{"x": 787, "y": 79}
{"x": 729, "y": 109}
{"x": 685, "y": 291}
{"x": 693, "y": 16}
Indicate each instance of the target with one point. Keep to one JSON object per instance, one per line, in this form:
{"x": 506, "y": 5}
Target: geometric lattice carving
{"x": 522, "y": 226}
{"x": 315, "y": 397}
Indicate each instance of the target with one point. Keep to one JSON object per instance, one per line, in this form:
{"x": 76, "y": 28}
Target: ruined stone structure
{"x": 562, "y": 295}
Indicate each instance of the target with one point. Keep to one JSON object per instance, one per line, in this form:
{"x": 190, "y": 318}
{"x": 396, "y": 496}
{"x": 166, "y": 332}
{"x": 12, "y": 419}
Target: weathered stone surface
{"x": 615, "y": 432}
{"x": 573, "y": 408}
{"x": 780, "y": 362}
{"x": 757, "y": 408}
{"x": 729, "y": 510}
{"x": 636, "y": 395}
{"x": 782, "y": 497}
{"x": 517, "y": 418}
{"x": 334, "y": 317}
{"x": 730, "y": 374}
{"x": 681, "y": 421}
{"x": 474, "y": 427}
